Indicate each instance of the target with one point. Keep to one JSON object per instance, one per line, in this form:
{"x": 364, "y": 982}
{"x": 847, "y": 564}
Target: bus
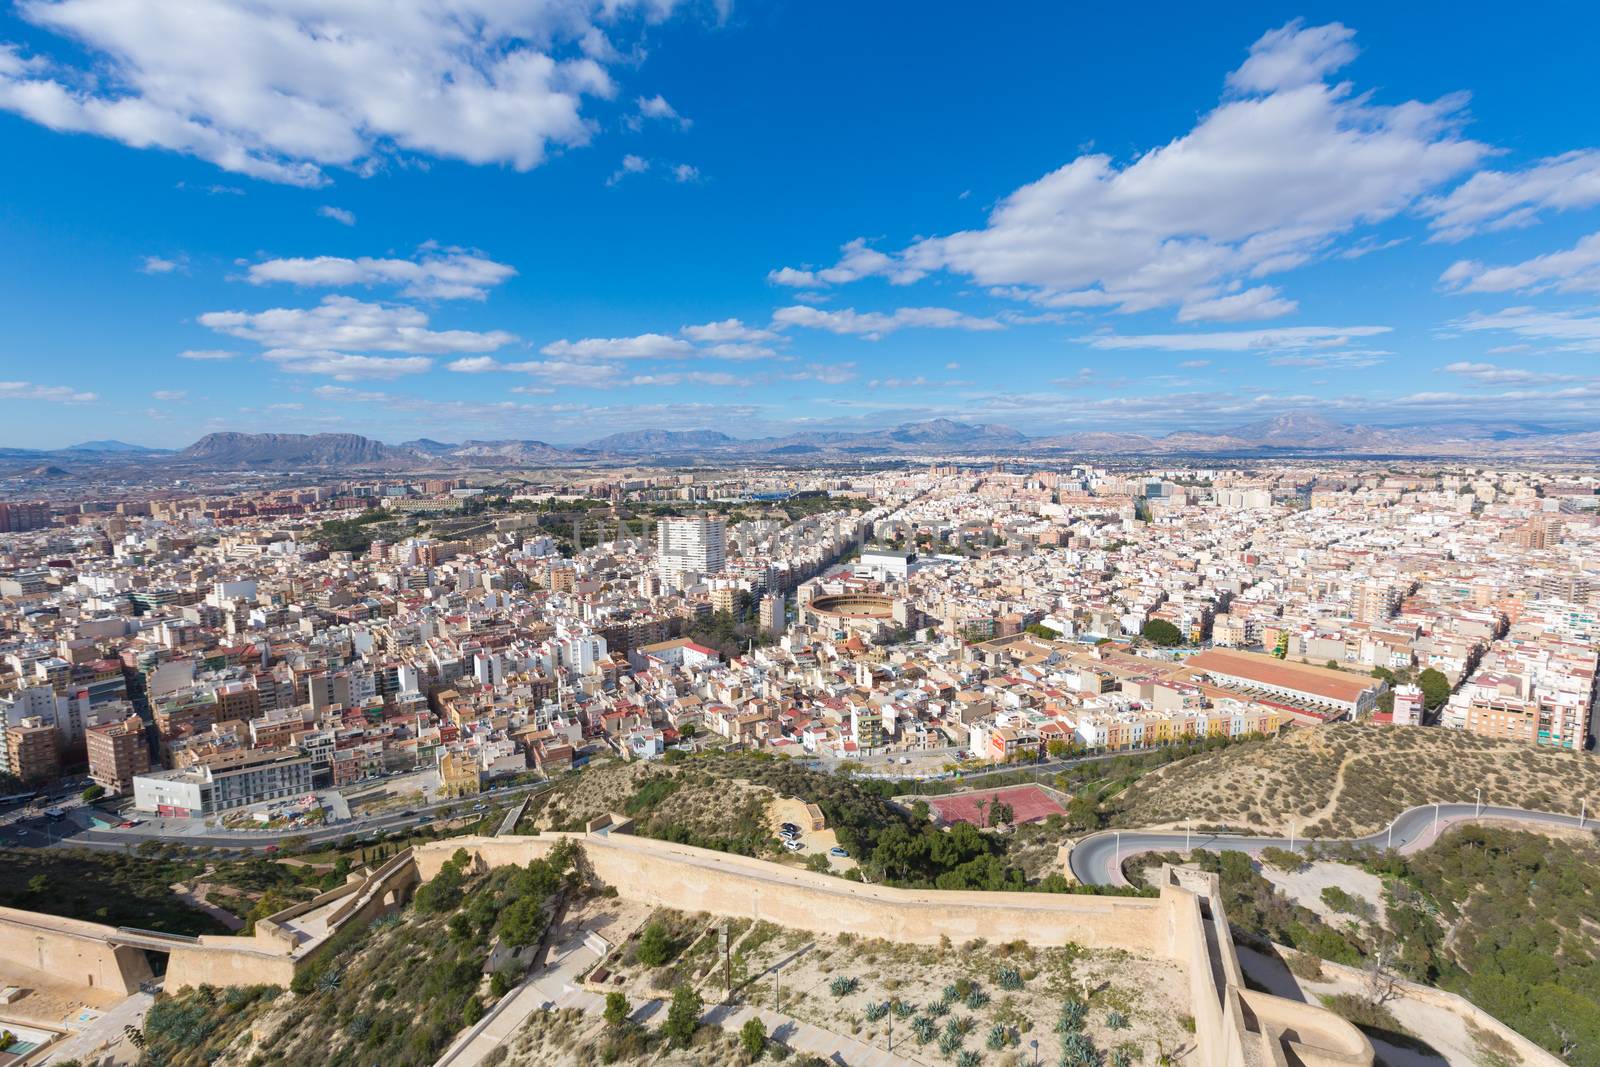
{"x": 55, "y": 814}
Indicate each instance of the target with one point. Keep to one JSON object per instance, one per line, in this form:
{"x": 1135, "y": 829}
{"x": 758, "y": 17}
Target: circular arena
{"x": 854, "y": 606}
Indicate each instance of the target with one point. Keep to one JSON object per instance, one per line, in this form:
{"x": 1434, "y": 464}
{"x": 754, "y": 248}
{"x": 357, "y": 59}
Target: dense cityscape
{"x": 705, "y": 533}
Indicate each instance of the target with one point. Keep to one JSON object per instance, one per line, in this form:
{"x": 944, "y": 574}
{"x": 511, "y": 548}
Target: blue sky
{"x": 492, "y": 218}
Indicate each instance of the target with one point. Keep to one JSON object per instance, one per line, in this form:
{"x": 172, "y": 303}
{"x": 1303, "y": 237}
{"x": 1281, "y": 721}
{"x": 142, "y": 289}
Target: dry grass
{"x": 1350, "y": 779}
{"x": 700, "y": 799}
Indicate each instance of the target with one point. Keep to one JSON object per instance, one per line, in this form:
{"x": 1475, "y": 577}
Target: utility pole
{"x": 1187, "y": 824}
{"x": 1118, "y": 859}
{"x": 1436, "y": 821}
{"x": 1477, "y": 801}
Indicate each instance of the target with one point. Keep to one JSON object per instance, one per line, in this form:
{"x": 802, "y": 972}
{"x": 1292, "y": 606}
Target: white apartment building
{"x": 225, "y": 781}
{"x": 690, "y": 546}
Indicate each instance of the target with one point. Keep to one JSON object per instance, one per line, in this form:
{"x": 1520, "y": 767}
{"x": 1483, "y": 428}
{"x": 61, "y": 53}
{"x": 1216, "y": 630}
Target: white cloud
{"x": 1573, "y": 270}
{"x": 475, "y": 365}
{"x": 441, "y": 275}
{"x": 693, "y": 377}
{"x": 1292, "y": 56}
{"x": 1268, "y": 180}
{"x": 1499, "y": 200}
{"x": 631, "y": 164}
{"x": 741, "y": 352}
{"x": 726, "y": 330}
{"x": 337, "y": 214}
{"x": 826, "y": 373}
{"x": 1261, "y": 302}
{"x": 344, "y": 324}
{"x": 209, "y": 355}
{"x": 1276, "y": 338}
{"x": 54, "y": 394}
{"x": 683, "y": 172}
{"x": 1570, "y": 331}
{"x": 160, "y": 265}
{"x": 564, "y": 372}
{"x": 1493, "y": 374}
{"x": 169, "y": 394}
{"x": 792, "y": 277}
{"x": 644, "y": 346}
{"x": 874, "y": 324}
{"x": 281, "y": 89}
{"x": 346, "y": 367}
{"x": 856, "y": 261}
{"x": 1194, "y": 364}
{"x": 656, "y": 107}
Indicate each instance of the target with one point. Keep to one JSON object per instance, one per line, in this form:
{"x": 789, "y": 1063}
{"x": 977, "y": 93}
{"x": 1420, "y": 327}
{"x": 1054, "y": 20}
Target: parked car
{"x": 792, "y": 845}
{"x": 837, "y": 851}
{"x": 788, "y": 828}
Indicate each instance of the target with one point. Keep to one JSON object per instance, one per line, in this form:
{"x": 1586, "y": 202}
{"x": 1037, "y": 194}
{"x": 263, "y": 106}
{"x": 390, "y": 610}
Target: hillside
{"x": 393, "y": 992}
{"x": 288, "y": 449}
{"x": 1350, "y": 779}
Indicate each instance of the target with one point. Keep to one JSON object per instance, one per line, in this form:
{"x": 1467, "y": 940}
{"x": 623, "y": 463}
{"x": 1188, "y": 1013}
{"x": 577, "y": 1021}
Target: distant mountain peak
{"x": 109, "y": 445}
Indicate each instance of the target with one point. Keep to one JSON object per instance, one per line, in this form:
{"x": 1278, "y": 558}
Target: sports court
{"x": 1030, "y": 803}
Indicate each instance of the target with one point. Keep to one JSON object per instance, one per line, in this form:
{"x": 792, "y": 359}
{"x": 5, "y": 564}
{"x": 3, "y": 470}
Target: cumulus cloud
{"x": 54, "y": 394}
{"x": 656, "y": 107}
{"x": 856, "y": 261}
{"x": 344, "y": 366}
{"x": 1573, "y": 270}
{"x": 169, "y": 394}
{"x": 337, "y": 214}
{"x": 159, "y": 265}
{"x": 726, "y": 330}
{"x": 280, "y": 90}
{"x": 631, "y": 164}
{"x": 1276, "y": 338}
{"x": 683, "y": 172}
{"x": 336, "y": 338}
{"x": 875, "y": 324}
{"x": 1292, "y": 56}
{"x": 1494, "y": 200}
{"x": 433, "y": 275}
{"x": 1286, "y": 164}
{"x": 644, "y": 346}
{"x": 1261, "y": 302}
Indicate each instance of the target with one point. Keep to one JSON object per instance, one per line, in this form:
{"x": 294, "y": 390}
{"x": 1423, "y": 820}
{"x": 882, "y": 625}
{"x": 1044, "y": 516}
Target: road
{"x": 1096, "y": 860}
{"x": 41, "y": 833}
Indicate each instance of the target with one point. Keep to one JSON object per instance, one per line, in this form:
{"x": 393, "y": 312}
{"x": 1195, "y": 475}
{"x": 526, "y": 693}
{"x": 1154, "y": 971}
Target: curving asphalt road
{"x": 69, "y": 834}
{"x": 1097, "y": 859}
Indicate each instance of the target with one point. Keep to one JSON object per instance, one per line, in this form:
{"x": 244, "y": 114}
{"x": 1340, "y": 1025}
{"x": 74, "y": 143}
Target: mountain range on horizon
{"x": 1289, "y": 433}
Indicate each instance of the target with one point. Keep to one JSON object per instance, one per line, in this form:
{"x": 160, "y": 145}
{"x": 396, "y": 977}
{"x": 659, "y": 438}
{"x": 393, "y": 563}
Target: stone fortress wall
{"x": 1234, "y": 1026}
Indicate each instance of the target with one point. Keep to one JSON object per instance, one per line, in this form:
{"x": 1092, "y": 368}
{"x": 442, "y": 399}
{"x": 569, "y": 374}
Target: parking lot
{"x": 812, "y": 842}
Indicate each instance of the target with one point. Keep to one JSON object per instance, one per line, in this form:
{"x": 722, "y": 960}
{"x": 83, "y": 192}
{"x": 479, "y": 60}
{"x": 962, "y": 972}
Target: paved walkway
{"x": 556, "y": 987}
{"x": 103, "y": 1041}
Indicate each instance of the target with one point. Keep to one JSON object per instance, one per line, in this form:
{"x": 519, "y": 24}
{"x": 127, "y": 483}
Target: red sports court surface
{"x": 1029, "y": 802}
